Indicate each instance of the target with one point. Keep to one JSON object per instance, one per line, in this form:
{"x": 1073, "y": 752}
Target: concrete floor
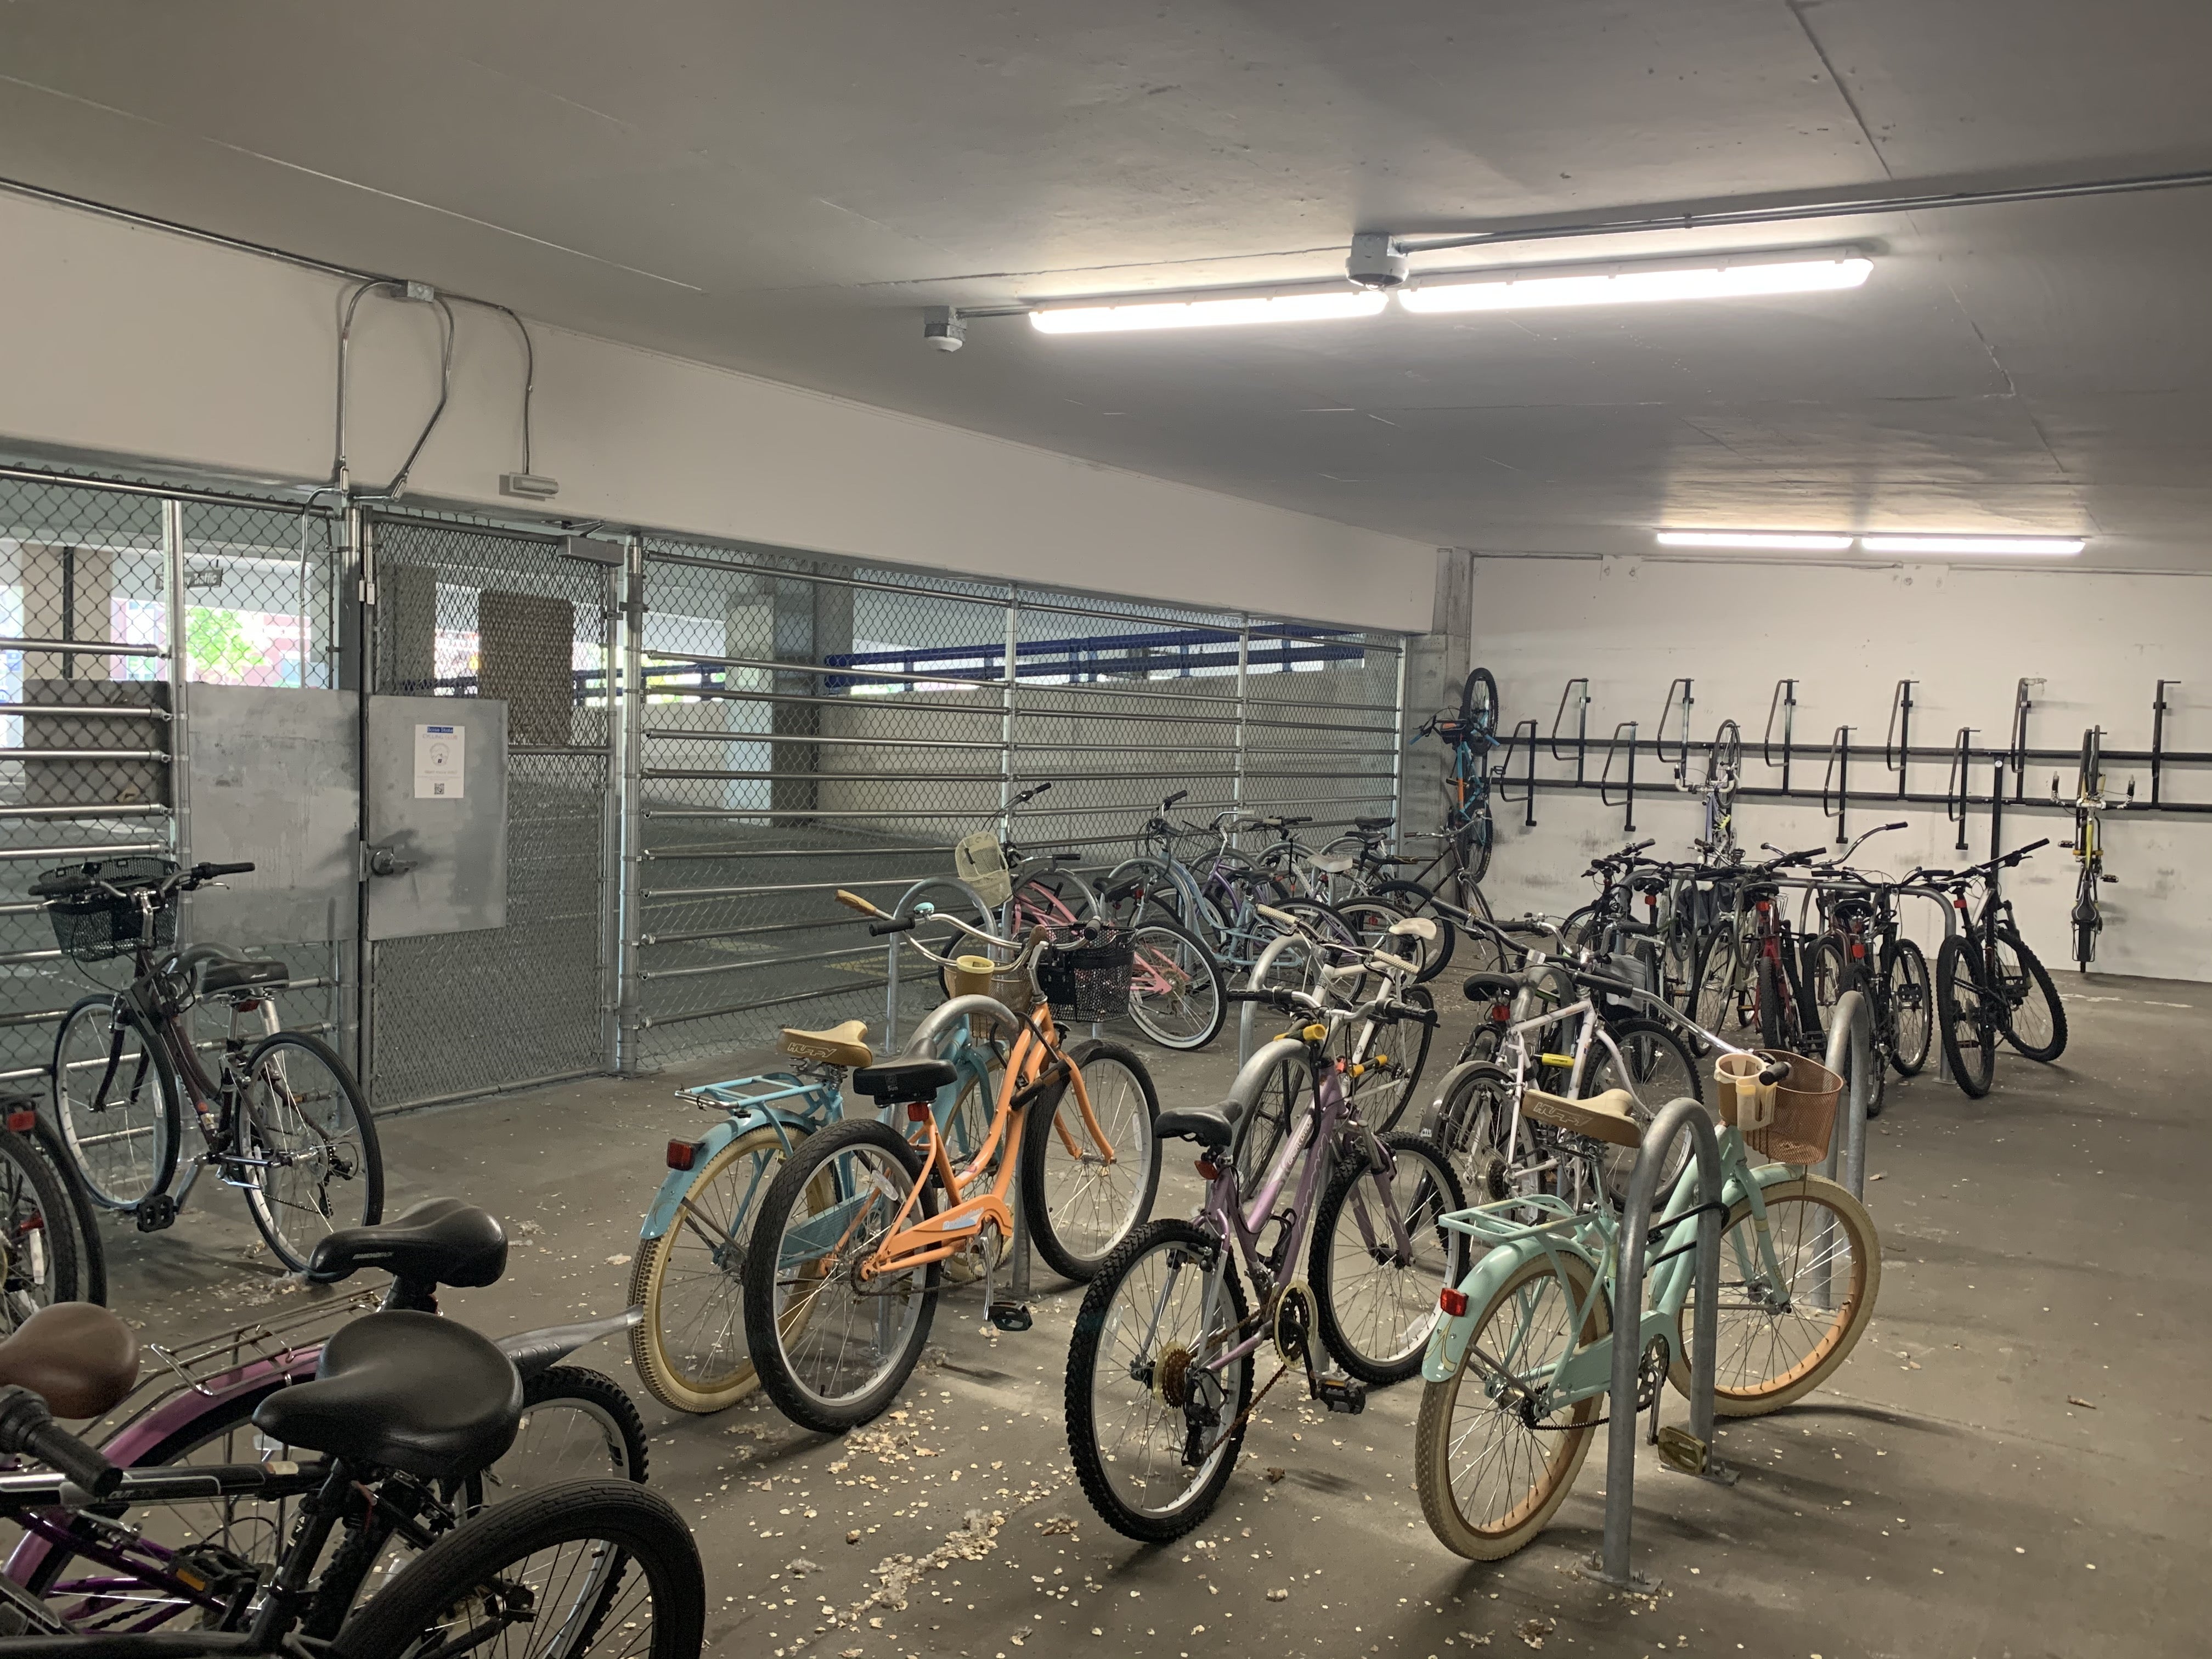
{"x": 2014, "y": 1462}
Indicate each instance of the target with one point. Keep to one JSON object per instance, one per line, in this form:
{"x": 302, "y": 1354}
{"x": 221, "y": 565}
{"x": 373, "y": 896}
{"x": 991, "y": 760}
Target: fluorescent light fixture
{"x": 2060, "y": 547}
{"x": 1326, "y": 305}
{"x": 1771, "y": 541}
{"x": 1616, "y": 287}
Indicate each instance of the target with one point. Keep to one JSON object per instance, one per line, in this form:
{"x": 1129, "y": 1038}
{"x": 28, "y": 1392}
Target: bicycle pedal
{"x": 1011, "y": 1315}
{"x": 1342, "y": 1393}
{"x": 156, "y": 1214}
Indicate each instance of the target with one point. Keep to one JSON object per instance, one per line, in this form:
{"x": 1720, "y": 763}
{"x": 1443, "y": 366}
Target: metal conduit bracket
{"x": 1612, "y": 1566}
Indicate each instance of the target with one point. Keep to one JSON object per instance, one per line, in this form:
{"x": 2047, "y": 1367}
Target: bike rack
{"x": 1582, "y": 725}
{"x": 1897, "y": 740}
{"x": 983, "y": 919}
{"x": 1528, "y": 801}
{"x": 2023, "y": 699}
{"x": 1954, "y": 788}
{"x": 1850, "y": 1056}
{"x": 1784, "y": 700}
{"x": 2159, "y": 709}
{"x": 1838, "y": 779}
{"x": 1612, "y": 1566}
{"x": 1250, "y": 1011}
{"x": 1605, "y": 778}
{"x": 1659, "y": 738}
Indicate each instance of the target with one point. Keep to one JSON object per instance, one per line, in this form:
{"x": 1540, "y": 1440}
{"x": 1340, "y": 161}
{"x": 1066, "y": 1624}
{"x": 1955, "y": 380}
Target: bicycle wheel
{"x": 1473, "y": 1112}
{"x": 2035, "y": 1022}
{"x": 1141, "y": 888}
{"x": 38, "y": 1260}
{"x": 1153, "y": 1432}
{"x": 115, "y": 1103}
{"x": 1831, "y": 976}
{"x": 314, "y": 1162}
{"x": 1910, "y": 1005}
{"x": 1372, "y": 919}
{"x": 1391, "y": 1054}
{"x": 577, "y": 1425}
{"x": 690, "y": 1348}
{"x": 1716, "y": 986}
{"x": 1374, "y": 1295}
{"x": 1176, "y": 996}
{"x": 1477, "y": 702}
{"x": 588, "y": 1567}
{"x": 1774, "y": 1025}
{"x": 1476, "y": 841}
{"x": 1080, "y": 1198}
{"x": 84, "y": 1233}
{"x": 2087, "y": 922}
{"x": 1778, "y": 1342}
{"x": 1965, "y": 1015}
{"x": 834, "y": 1348}
{"x": 1656, "y": 1067}
{"x": 1280, "y": 1097}
{"x": 1493, "y": 1460}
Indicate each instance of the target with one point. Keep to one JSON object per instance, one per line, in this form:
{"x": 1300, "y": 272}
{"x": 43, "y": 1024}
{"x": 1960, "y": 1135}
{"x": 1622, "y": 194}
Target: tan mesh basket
{"x": 1804, "y": 1113}
{"x": 980, "y": 977}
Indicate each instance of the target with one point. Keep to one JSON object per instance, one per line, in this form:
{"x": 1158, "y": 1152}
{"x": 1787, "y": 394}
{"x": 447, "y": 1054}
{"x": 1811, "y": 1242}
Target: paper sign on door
{"x": 438, "y": 761}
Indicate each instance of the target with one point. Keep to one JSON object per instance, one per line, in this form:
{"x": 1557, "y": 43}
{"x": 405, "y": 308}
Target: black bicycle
{"x": 1989, "y": 984}
{"x": 280, "y": 1117}
{"x": 1863, "y": 948}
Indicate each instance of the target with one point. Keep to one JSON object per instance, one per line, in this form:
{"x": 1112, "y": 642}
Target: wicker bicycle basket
{"x": 980, "y": 977}
{"x": 1088, "y": 979}
{"x": 1804, "y": 1113}
{"x": 100, "y": 927}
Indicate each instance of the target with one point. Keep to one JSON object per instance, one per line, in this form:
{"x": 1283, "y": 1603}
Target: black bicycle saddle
{"x": 442, "y": 1241}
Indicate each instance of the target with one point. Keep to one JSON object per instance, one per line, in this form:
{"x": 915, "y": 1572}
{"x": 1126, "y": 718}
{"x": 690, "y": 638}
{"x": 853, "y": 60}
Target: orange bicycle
{"x": 847, "y": 1256}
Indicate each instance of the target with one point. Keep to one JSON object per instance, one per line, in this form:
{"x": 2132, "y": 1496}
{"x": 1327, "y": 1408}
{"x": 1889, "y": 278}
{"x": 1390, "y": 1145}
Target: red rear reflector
{"x": 1858, "y": 952}
{"x": 1500, "y": 1013}
{"x": 1454, "y": 1303}
{"x": 682, "y": 1154}
{"x": 1209, "y": 1169}
{"x": 24, "y": 1122}
{"x": 918, "y": 1112}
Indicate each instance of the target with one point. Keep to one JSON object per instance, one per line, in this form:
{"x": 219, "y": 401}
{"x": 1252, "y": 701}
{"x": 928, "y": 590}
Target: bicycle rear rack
{"x": 741, "y": 1094}
{"x": 204, "y": 1365}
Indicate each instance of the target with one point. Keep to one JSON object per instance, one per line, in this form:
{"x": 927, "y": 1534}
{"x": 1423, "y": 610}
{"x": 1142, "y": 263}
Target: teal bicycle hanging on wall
{"x": 1520, "y": 1366}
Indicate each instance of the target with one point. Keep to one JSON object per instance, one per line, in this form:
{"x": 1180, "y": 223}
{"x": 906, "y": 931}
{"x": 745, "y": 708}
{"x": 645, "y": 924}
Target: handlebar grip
{"x": 1885, "y": 829}
{"x": 854, "y": 901}
{"x": 1180, "y": 795}
{"x": 1281, "y": 918}
{"x": 207, "y": 871}
{"x": 1412, "y": 1011}
{"x": 27, "y": 1426}
{"x": 60, "y": 886}
{"x": 1777, "y": 1072}
{"x": 891, "y": 924}
{"x": 1040, "y": 789}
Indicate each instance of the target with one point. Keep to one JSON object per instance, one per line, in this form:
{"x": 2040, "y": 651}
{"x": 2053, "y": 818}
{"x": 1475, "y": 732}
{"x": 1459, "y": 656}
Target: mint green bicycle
{"x": 1519, "y": 1370}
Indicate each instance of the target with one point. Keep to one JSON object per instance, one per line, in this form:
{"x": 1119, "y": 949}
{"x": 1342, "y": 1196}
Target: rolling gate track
{"x": 804, "y": 724}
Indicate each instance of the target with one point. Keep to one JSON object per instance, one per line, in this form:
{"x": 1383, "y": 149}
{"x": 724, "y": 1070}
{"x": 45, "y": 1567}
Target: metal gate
{"x": 466, "y": 611}
{"x": 807, "y": 725}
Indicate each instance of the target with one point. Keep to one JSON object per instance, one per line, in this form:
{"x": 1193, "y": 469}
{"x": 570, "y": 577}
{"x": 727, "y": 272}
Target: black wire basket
{"x": 100, "y": 927}
{"x": 1087, "y": 979}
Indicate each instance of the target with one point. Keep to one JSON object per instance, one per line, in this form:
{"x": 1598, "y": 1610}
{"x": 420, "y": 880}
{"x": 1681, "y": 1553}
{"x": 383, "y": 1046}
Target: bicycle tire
{"x": 1768, "y": 994}
{"x": 91, "y": 1247}
{"x": 1832, "y": 975}
{"x": 1478, "y": 840}
{"x": 1715, "y": 991}
{"x": 2088, "y": 919}
{"x": 1477, "y": 702}
{"x": 1155, "y": 890}
{"x": 1169, "y": 1523}
{"x": 653, "y": 1545}
{"x": 1912, "y": 1008}
{"x": 1392, "y": 1080}
{"x": 1468, "y": 1121}
{"x": 749, "y": 1164}
{"x": 2040, "y": 989}
{"x": 766, "y": 1326}
{"x": 607, "y": 1409}
{"x": 256, "y": 1124}
{"x": 1051, "y": 1235}
{"x": 1372, "y": 920}
{"x": 1166, "y": 951}
{"x": 1277, "y": 1098}
{"x": 1965, "y": 1022}
{"x": 112, "y": 1186}
{"x": 1436, "y": 1192}
{"x": 38, "y": 1234}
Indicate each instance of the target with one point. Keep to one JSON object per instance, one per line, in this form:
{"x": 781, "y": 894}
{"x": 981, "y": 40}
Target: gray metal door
{"x": 465, "y": 613}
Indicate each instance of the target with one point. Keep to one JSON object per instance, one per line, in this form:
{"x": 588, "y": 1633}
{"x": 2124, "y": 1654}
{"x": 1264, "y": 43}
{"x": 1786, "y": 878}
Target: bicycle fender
{"x": 661, "y": 1216}
{"x": 1448, "y": 1341}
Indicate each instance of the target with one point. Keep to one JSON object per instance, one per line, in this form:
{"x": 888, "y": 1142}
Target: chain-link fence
{"x": 809, "y": 726}
{"x": 464, "y": 611}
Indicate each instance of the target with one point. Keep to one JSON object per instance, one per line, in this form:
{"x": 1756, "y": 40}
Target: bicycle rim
{"x": 1088, "y": 1197}
{"x": 1174, "y": 990}
{"x": 310, "y": 1148}
{"x": 1376, "y": 1299}
{"x": 119, "y": 1122}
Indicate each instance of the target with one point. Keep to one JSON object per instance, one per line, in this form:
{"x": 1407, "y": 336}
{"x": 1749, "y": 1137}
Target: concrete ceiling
{"x": 780, "y": 188}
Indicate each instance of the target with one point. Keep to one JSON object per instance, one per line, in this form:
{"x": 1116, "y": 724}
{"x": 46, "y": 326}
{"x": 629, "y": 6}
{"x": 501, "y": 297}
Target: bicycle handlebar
{"x": 27, "y": 1429}
{"x": 887, "y": 923}
{"x": 67, "y": 884}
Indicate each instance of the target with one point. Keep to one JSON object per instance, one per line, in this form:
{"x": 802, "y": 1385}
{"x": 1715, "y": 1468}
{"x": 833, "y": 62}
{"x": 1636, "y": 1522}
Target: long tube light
{"x": 1324, "y": 306}
{"x": 1790, "y": 541}
{"x": 1607, "y": 288}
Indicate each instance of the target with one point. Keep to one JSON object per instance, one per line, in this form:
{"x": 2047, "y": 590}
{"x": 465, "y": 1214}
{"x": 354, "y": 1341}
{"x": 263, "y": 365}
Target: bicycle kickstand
{"x": 1010, "y": 1315}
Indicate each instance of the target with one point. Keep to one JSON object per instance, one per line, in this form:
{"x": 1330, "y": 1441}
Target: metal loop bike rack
{"x": 1850, "y": 1056}
{"x": 1612, "y": 1566}
{"x": 892, "y": 951}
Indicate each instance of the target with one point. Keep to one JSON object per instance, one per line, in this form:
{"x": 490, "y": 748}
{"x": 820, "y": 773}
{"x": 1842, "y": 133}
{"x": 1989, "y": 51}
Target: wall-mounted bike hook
{"x": 1581, "y": 723}
{"x": 1897, "y": 742}
{"x": 2023, "y": 699}
{"x": 1677, "y": 695}
{"x": 1627, "y": 800}
{"x": 1955, "y": 787}
{"x": 1785, "y": 703}
{"x": 1836, "y": 780}
{"x": 1523, "y": 739}
{"x": 2159, "y": 707}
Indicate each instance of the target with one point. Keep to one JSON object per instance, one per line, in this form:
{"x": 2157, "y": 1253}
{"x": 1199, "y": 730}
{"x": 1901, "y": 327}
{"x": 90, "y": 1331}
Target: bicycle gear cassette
{"x": 1172, "y": 1376}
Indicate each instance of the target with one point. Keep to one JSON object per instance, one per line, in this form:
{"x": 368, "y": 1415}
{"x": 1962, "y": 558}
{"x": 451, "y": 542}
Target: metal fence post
{"x": 180, "y": 790}
{"x": 630, "y": 920}
{"x": 1244, "y": 711}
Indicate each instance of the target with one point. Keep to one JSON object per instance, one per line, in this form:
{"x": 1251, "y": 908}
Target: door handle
{"x": 383, "y": 861}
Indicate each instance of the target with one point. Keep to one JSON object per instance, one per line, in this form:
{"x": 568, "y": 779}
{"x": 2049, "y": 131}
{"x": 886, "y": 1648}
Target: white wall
{"x": 1848, "y": 635}
{"x": 137, "y": 342}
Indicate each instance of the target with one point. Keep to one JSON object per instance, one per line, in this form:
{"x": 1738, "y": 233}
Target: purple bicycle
{"x": 227, "y": 1494}
{"x": 1159, "y": 1376}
